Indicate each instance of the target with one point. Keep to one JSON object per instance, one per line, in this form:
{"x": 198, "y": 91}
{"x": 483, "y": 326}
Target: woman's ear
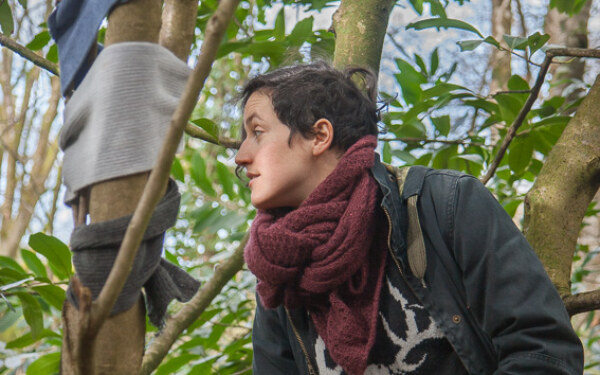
{"x": 323, "y": 136}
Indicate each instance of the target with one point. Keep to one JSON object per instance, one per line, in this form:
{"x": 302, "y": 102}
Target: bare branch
{"x": 215, "y": 30}
{"x": 512, "y": 131}
{"x": 582, "y": 302}
{"x": 28, "y": 54}
{"x": 573, "y": 52}
{"x": 191, "y": 311}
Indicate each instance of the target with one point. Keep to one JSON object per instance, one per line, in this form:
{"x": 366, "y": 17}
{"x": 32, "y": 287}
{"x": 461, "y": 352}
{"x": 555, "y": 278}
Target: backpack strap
{"x": 410, "y": 181}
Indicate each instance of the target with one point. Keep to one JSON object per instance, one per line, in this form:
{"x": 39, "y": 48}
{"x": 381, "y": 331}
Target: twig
{"x": 157, "y": 180}
{"x": 197, "y": 132}
{"x": 573, "y": 52}
{"x": 192, "y": 309}
{"x": 582, "y": 302}
{"x": 28, "y": 54}
{"x": 512, "y": 131}
{"x": 426, "y": 140}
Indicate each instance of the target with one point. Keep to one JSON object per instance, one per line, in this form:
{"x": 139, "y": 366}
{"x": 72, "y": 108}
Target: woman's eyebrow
{"x": 252, "y": 117}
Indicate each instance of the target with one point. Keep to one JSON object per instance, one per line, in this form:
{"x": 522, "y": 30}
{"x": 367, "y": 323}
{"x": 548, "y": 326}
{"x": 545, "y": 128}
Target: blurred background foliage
{"x": 445, "y": 107}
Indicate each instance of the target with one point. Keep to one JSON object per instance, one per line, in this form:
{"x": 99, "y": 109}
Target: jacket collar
{"x": 391, "y": 203}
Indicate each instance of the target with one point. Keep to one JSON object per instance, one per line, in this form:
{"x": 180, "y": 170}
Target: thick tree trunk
{"x": 557, "y": 202}
{"x": 359, "y": 28}
{"x": 119, "y": 345}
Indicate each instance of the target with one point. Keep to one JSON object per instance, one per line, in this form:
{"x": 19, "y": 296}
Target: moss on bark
{"x": 556, "y": 204}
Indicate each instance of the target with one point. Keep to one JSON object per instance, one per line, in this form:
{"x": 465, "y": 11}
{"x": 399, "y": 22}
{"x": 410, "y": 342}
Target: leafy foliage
{"x": 433, "y": 119}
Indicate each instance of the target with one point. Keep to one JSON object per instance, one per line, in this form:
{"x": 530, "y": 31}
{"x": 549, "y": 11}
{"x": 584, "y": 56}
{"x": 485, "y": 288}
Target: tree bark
{"x": 119, "y": 345}
{"x": 557, "y": 202}
{"x": 500, "y": 60}
{"x": 359, "y": 28}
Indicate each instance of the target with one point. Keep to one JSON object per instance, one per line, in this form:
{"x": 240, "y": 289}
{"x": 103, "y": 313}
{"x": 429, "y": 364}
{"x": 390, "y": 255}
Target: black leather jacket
{"x": 484, "y": 286}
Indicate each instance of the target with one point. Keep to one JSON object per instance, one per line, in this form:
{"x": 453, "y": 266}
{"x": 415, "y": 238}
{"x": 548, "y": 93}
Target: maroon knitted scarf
{"x": 325, "y": 257}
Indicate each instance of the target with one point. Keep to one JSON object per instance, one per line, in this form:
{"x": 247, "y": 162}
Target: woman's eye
{"x": 257, "y": 132}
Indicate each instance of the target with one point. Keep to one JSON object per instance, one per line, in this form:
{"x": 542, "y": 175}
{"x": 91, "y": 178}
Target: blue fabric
{"x": 73, "y": 24}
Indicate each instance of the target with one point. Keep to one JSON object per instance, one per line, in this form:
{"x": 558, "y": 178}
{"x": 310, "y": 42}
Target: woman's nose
{"x": 243, "y": 155}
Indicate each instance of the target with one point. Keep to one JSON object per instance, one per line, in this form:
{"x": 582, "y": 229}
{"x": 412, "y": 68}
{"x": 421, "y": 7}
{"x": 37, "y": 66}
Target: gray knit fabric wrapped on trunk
{"x": 116, "y": 120}
{"x": 95, "y": 249}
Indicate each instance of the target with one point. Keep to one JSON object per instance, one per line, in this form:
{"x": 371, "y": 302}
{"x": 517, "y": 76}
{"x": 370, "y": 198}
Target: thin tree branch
{"x": 197, "y": 132}
{"x": 582, "y": 302}
{"x": 193, "y": 309}
{"x": 427, "y": 140}
{"x": 512, "y": 131}
{"x": 28, "y": 54}
{"x": 157, "y": 180}
{"x": 573, "y": 52}
{"x": 535, "y": 90}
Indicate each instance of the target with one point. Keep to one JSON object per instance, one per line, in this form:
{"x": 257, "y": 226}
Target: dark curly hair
{"x": 302, "y": 94}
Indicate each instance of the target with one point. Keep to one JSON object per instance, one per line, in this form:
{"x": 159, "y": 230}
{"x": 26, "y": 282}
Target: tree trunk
{"x": 119, "y": 345}
{"x": 557, "y": 202}
{"x": 359, "y": 28}
{"x": 500, "y": 60}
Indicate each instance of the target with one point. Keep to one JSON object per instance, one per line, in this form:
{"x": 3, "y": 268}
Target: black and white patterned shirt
{"x": 407, "y": 341}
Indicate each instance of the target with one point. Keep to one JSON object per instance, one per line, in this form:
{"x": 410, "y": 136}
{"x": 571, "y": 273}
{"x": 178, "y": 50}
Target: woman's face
{"x": 279, "y": 172}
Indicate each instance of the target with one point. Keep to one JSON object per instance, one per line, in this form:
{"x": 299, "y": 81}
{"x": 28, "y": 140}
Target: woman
{"x": 337, "y": 293}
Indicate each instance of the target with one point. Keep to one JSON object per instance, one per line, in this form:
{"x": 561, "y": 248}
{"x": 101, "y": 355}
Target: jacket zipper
{"x": 389, "y": 242}
{"x": 311, "y": 370}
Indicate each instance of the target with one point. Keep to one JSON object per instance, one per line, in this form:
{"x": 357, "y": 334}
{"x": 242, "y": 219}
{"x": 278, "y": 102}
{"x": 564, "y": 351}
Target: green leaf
{"x": 509, "y": 105}
{"x": 446, "y": 23}
{"x": 57, "y": 253}
{"x": 516, "y": 82}
{"x": 39, "y": 41}
{"x": 279, "y": 30}
{"x": 537, "y": 41}
{"x": 9, "y": 318}
{"x": 491, "y": 40}
{"x": 7, "y": 24}
{"x": 48, "y": 365}
{"x": 511, "y": 206}
{"x": 34, "y": 263}
{"x": 520, "y": 154}
{"x": 515, "y": 42}
{"x": 421, "y": 65}
{"x": 404, "y": 156}
{"x": 435, "y": 62}
{"x": 174, "y": 364}
{"x": 54, "y": 295}
{"x": 23, "y": 3}
{"x": 417, "y": 6}
{"x": 469, "y": 45}
{"x": 441, "y": 88}
{"x": 177, "y": 170}
{"x": 442, "y": 124}
{"x": 27, "y": 339}
{"x": 234, "y": 46}
{"x": 6, "y": 262}
{"x": 443, "y": 158}
{"x": 208, "y": 125}
{"x": 301, "y": 32}
{"x": 225, "y": 178}
{"x": 199, "y": 175}
{"x": 52, "y": 54}
{"x": 412, "y": 129}
{"x": 387, "y": 153}
{"x": 32, "y": 311}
